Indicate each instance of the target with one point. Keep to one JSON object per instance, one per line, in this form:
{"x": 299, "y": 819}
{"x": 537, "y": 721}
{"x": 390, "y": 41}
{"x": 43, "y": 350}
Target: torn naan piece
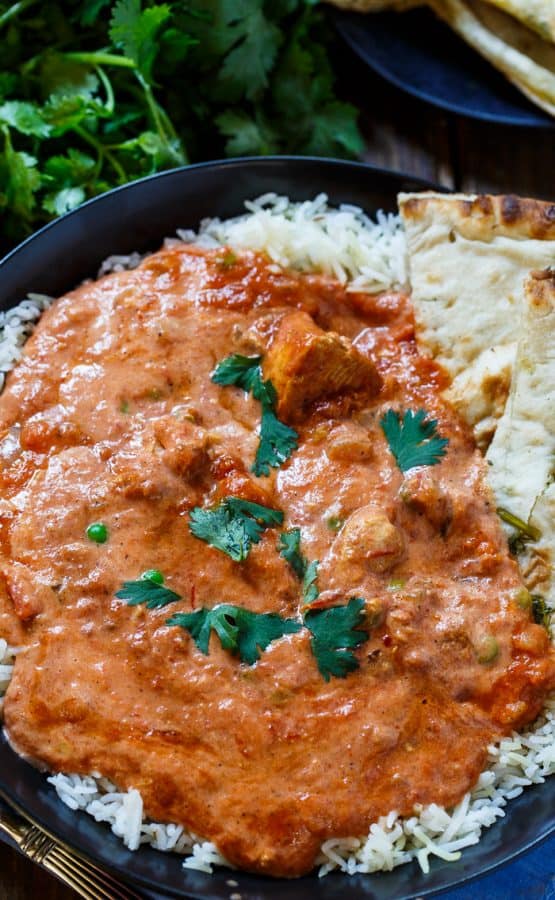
{"x": 524, "y": 58}
{"x": 539, "y": 15}
{"x": 468, "y": 258}
{"x": 522, "y": 454}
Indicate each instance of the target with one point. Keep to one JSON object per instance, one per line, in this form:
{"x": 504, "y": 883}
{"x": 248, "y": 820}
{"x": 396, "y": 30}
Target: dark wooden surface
{"x": 401, "y": 133}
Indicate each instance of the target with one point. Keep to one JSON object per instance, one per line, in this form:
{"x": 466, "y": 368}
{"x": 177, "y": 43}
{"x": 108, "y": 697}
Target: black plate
{"x": 423, "y": 56}
{"x": 53, "y": 261}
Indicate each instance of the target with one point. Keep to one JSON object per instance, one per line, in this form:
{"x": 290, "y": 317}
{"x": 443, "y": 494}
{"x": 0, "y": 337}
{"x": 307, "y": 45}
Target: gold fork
{"x": 85, "y": 878}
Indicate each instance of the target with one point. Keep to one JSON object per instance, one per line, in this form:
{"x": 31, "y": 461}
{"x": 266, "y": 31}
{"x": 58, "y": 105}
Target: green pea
{"x": 486, "y": 649}
{"x": 153, "y": 575}
{"x": 97, "y": 532}
{"x": 335, "y": 523}
{"x": 523, "y": 598}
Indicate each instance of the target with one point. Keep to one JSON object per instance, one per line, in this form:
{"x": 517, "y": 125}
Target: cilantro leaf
{"x": 290, "y": 549}
{"x": 310, "y": 588}
{"x": 19, "y": 181}
{"x": 246, "y": 67}
{"x": 75, "y": 168}
{"x": 154, "y": 595}
{"x": 413, "y": 439}
{"x": 63, "y": 200}
{"x": 24, "y": 117}
{"x": 136, "y": 30}
{"x": 242, "y": 632}
{"x": 233, "y": 526}
{"x": 277, "y": 442}
{"x": 246, "y": 135}
{"x": 335, "y": 633}
{"x": 242, "y": 371}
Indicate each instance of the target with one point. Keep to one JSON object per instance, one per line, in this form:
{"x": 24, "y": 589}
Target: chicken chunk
{"x": 422, "y": 492}
{"x": 28, "y": 595}
{"x": 185, "y": 445}
{"x": 368, "y": 537}
{"x": 306, "y": 363}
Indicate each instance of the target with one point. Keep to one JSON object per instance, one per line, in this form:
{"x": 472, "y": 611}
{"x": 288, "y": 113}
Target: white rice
{"x": 15, "y": 327}
{"x": 365, "y": 255}
{"x": 344, "y": 243}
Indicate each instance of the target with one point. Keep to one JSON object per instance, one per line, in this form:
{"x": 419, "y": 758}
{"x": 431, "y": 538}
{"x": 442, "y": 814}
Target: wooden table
{"x": 401, "y": 133}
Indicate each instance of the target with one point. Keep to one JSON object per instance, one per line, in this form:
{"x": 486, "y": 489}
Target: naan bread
{"x": 539, "y": 15}
{"x": 468, "y": 258}
{"x": 525, "y": 58}
{"x": 522, "y": 454}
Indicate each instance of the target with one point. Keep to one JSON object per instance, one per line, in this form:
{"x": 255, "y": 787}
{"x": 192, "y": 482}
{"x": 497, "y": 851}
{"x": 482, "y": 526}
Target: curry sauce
{"x": 112, "y": 416}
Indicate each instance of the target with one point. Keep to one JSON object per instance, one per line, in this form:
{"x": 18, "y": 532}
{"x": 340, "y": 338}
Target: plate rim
{"x": 342, "y": 20}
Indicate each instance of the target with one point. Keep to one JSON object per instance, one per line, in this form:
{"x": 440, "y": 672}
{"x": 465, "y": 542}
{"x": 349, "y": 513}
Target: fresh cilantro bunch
{"x": 94, "y": 94}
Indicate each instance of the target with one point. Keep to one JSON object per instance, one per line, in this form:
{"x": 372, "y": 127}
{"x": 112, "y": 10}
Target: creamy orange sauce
{"x": 112, "y": 416}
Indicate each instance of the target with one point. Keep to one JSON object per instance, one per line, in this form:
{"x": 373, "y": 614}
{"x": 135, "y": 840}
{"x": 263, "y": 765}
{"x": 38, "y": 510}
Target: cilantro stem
{"x": 110, "y": 100}
{"x": 102, "y": 152}
{"x": 14, "y": 10}
{"x": 524, "y": 527}
{"x": 100, "y": 58}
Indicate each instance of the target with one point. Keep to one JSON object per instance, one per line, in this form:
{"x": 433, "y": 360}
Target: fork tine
{"x": 94, "y": 874}
{"x": 90, "y": 881}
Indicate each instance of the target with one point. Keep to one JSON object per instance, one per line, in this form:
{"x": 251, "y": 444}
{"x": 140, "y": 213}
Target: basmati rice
{"x": 365, "y": 255}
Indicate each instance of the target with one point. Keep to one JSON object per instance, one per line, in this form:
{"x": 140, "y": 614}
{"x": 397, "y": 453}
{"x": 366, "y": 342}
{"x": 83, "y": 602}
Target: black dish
{"x": 423, "y": 56}
{"x": 137, "y": 217}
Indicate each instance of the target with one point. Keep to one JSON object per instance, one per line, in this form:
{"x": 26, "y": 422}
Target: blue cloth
{"x": 531, "y": 876}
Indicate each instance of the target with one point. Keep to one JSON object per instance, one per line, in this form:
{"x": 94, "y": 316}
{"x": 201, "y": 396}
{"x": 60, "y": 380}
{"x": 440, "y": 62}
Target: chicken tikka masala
{"x": 251, "y": 558}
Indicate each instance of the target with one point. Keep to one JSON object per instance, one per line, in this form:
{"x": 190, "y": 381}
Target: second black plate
{"x": 421, "y": 55}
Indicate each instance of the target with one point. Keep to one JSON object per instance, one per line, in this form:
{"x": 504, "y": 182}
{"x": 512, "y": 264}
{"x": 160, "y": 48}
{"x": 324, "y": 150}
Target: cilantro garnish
{"x": 242, "y": 632}
{"x": 290, "y": 549}
{"x": 277, "y": 441}
{"x": 243, "y": 371}
{"x": 541, "y": 612}
{"x": 146, "y": 591}
{"x": 233, "y": 526}
{"x": 335, "y": 633}
{"x": 523, "y": 533}
{"x": 413, "y": 439}
{"x": 88, "y": 94}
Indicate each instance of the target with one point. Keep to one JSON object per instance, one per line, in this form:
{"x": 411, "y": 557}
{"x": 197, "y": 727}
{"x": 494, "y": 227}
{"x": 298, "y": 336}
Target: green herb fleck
{"x": 153, "y": 575}
{"x": 147, "y": 591}
{"x": 277, "y": 441}
{"x": 233, "y": 526}
{"x": 541, "y": 612}
{"x": 335, "y": 523}
{"x": 124, "y": 406}
{"x": 290, "y": 549}
{"x": 97, "y": 532}
{"x": 413, "y": 439}
{"x": 227, "y": 260}
{"x": 335, "y": 633}
{"x": 244, "y": 633}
